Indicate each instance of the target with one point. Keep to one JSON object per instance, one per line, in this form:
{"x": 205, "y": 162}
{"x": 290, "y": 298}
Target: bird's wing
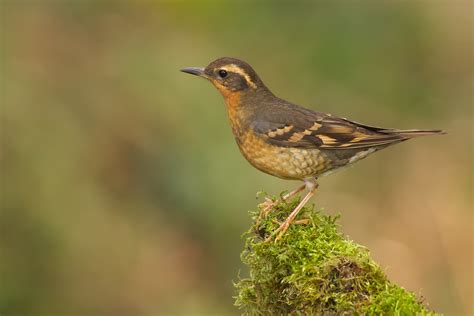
{"x": 299, "y": 127}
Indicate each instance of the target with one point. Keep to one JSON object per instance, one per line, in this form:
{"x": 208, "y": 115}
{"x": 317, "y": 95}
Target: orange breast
{"x": 283, "y": 162}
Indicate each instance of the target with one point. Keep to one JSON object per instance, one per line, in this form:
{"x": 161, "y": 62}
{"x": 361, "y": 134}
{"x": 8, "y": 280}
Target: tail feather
{"x": 410, "y": 133}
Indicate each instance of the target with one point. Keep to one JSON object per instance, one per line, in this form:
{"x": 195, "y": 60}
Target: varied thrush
{"x": 287, "y": 140}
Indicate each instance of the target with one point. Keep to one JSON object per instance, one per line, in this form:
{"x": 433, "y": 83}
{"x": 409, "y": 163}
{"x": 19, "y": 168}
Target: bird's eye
{"x": 222, "y": 73}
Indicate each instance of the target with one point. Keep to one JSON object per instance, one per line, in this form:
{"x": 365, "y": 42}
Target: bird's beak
{"x": 195, "y": 71}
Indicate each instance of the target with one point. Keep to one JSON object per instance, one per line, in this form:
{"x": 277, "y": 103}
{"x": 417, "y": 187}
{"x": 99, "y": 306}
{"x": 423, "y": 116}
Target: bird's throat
{"x": 236, "y": 113}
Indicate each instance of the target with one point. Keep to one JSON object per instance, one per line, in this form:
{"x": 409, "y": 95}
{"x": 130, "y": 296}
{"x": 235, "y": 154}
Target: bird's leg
{"x": 269, "y": 204}
{"x": 304, "y": 221}
{"x": 284, "y": 226}
{"x": 312, "y": 186}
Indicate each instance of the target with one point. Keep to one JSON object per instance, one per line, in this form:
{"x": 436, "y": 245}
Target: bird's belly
{"x": 283, "y": 162}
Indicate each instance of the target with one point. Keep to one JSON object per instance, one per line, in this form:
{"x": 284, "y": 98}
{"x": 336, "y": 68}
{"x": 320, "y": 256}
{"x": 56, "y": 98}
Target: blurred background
{"x": 123, "y": 191}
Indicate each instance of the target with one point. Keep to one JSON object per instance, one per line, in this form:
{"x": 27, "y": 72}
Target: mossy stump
{"x": 315, "y": 270}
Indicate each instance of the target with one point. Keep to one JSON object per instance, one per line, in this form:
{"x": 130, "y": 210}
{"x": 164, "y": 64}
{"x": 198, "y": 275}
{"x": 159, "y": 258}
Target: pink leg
{"x": 284, "y": 226}
{"x": 269, "y": 204}
{"x": 294, "y": 192}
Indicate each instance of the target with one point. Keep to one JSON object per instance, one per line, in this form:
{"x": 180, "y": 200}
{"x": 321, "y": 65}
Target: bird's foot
{"x": 284, "y": 227}
{"x": 280, "y": 231}
{"x": 268, "y": 205}
{"x": 303, "y": 221}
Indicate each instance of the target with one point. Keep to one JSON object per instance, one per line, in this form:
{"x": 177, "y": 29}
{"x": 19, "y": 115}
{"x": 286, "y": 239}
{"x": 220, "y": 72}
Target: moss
{"x": 314, "y": 269}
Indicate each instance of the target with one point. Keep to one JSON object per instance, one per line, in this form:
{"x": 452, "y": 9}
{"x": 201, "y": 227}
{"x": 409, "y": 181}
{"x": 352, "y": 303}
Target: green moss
{"x": 314, "y": 269}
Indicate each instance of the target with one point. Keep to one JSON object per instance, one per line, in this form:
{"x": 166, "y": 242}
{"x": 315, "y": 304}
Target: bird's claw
{"x": 280, "y": 231}
{"x": 284, "y": 227}
{"x": 266, "y": 207}
{"x": 267, "y": 204}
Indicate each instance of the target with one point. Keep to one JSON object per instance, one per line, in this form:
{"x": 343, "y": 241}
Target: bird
{"x": 290, "y": 141}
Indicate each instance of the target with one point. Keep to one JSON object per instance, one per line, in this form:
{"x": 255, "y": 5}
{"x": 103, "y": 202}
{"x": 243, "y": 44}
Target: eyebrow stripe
{"x": 240, "y": 71}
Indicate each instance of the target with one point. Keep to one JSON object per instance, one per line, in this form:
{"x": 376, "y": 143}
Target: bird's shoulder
{"x": 285, "y": 124}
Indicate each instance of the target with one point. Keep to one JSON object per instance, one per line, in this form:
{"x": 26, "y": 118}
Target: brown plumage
{"x": 287, "y": 140}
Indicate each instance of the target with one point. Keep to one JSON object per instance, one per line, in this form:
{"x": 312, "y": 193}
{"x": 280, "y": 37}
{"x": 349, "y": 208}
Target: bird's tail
{"x": 411, "y": 133}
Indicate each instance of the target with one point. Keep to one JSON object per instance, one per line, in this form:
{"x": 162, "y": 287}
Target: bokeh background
{"x": 123, "y": 192}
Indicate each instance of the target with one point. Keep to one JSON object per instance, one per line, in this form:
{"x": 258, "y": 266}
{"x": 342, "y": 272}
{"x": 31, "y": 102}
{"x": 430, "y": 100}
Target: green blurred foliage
{"x": 123, "y": 191}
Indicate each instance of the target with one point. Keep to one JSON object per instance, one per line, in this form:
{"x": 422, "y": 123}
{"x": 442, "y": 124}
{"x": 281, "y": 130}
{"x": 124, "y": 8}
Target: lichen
{"x": 314, "y": 270}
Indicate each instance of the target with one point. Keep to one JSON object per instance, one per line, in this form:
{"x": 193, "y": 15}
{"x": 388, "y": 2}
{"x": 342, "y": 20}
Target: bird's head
{"x": 229, "y": 76}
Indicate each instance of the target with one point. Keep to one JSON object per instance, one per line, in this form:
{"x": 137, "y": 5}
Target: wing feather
{"x": 293, "y": 126}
